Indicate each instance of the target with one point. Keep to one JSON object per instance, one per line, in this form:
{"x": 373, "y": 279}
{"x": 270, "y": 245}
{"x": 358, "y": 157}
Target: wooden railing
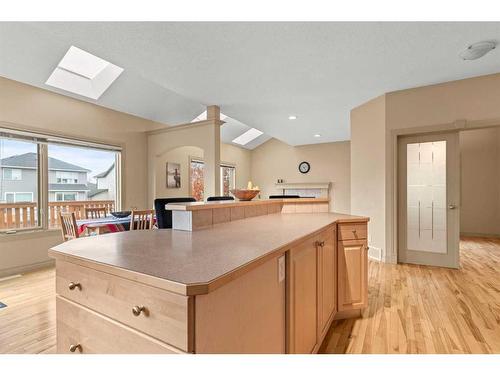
{"x": 25, "y": 215}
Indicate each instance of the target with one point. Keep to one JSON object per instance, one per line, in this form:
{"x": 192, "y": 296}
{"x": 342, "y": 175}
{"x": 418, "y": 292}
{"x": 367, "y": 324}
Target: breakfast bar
{"x": 263, "y": 284}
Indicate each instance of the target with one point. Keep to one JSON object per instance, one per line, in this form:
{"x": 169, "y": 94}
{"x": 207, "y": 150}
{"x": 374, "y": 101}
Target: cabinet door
{"x": 327, "y": 280}
{"x": 352, "y": 275}
{"x": 302, "y": 297}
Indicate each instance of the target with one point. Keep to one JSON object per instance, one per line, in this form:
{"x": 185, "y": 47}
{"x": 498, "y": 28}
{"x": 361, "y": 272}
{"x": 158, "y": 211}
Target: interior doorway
{"x": 429, "y": 199}
{"x": 480, "y": 182}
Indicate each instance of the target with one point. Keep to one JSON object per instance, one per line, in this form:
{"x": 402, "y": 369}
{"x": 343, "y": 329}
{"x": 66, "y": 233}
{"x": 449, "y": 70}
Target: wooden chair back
{"x": 68, "y": 226}
{"x": 95, "y": 212}
{"x": 142, "y": 219}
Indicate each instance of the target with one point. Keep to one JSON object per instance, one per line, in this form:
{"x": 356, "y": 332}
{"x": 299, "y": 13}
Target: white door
{"x": 428, "y": 203}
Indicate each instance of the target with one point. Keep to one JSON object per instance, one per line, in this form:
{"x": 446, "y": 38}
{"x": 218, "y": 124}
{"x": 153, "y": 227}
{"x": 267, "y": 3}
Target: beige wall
{"x": 204, "y": 135}
{"x": 329, "y": 163}
{"x": 30, "y": 108}
{"x": 368, "y": 170}
{"x": 480, "y": 175}
{"x": 179, "y": 155}
{"x": 233, "y": 155}
{"x": 449, "y": 106}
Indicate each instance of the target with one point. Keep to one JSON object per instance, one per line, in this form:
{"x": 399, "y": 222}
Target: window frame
{"x": 4, "y": 169}
{"x": 18, "y": 192}
{"x": 222, "y": 164}
{"x": 75, "y": 193}
{"x": 226, "y": 165}
{"x": 42, "y": 141}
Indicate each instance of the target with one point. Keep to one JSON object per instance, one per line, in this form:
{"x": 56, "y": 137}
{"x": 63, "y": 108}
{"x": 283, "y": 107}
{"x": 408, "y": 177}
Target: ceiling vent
{"x": 477, "y": 50}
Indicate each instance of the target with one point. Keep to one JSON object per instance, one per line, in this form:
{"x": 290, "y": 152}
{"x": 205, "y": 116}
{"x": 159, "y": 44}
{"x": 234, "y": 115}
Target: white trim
{"x": 4, "y": 169}
{"x": 66, "y": 192}
{"x": 375, "y": 253}
{"x": 18, "y": 192}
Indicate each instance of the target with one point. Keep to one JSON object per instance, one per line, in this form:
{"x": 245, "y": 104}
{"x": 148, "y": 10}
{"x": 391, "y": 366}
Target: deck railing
{"x": 25, "y": 215}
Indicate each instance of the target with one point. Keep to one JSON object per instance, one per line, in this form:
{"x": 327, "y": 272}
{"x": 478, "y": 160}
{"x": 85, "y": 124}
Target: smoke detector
{"x": 477, "y": 50}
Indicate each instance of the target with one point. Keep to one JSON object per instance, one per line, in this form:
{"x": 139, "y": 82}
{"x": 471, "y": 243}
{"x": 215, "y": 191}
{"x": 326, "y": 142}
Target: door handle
{"x": 452, "y": 206}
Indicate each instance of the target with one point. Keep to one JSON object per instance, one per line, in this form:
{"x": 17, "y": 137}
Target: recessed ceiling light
{"x": 317, "y": 135}
{"x": 84, "y": 74}
{"x": 247, "y": 136}
{"x": 292, "y": 117}
{"x": 477, "y": 50}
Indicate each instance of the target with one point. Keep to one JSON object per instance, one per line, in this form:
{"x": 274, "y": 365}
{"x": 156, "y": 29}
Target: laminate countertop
{"x": 197, "y": 262}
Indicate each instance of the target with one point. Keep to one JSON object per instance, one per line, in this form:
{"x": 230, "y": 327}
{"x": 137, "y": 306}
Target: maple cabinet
{"x": 353, "y": 269}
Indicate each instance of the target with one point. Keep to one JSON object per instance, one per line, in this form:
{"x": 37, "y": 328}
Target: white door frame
{"x": 452, "y": 256}
{"x": 392, "y": 193}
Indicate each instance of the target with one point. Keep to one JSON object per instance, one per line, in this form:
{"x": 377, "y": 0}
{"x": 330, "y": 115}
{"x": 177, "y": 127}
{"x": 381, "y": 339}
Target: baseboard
{"x": 491, "y": 235}
{"x": 374, "y": 253}
{"x": 23, "y": 269}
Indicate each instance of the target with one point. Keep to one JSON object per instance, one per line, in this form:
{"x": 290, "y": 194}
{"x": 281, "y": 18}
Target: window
{"x": 77, "y": 175}
{"x": 66, "y": 177}
{"x": 80, "y": 175}
{"x": 196, "y": 179}
{"x": 63, "y": 197}
{"x": 18, "y": 197}
{"x": 19, "y": 186}
{"x": 227, "y": 179}
{"x": 12, "y": 174}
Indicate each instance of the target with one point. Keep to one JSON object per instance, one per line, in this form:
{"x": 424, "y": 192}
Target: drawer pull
{"x": 73, "y": 348}
{"x": 320, "y": 243}
{"x": 137, "y": 310}
{"x": 73, "y": 285}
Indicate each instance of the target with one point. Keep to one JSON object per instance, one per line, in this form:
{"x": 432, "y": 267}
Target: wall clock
{"x": 304, "y": 167}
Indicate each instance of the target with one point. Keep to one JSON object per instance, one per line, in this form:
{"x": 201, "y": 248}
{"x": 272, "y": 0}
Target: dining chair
{"x": 68, "y": 226}
{"x": 142, "y": 219}
{"x": 220, "y": 198}
{"x": 163, "y": 216}
{"x": 283, "y": 196}
{"x": 95, "y": 212}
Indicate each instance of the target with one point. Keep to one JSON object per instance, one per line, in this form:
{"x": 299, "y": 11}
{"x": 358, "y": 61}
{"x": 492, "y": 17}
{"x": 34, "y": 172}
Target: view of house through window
{"x": 78, "y": 177}
{"x": 227, "y": 176}
{"x": 19, "y": 176}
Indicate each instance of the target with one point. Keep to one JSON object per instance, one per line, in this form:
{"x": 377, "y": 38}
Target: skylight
{"x": 203, "y": 116}
{"x": 84, "y": 74}
{"x": 247, "y": 136}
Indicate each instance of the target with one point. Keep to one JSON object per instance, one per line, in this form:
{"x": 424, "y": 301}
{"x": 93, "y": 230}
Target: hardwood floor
{"x": 420, "y": 309}
{"x": 412, "y": 309}
{"x": 28, "y": 323}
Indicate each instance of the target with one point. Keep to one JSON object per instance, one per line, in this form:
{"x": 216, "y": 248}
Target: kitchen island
{"x": 264, "y": 284}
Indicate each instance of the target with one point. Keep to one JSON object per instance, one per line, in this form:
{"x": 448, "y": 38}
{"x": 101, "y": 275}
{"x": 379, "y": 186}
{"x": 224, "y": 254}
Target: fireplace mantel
{"x": 309, "y": 189}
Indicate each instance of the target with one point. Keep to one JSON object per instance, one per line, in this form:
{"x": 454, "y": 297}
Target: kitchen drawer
{"x": 351, "y": 231}
{"x": 166, "y": 316}
{"x": 97, "y": 334}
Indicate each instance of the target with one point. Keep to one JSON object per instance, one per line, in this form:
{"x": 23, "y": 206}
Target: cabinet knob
{"x": 320, "y": 243}
{"x": 73, "y": 285}
{"x": 73, "y": 348}
{"x": 137, "y": 310}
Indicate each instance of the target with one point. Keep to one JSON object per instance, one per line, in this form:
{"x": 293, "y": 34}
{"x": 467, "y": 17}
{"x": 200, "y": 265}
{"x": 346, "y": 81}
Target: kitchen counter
{"x": 196, "y": 262}
{"x": 263, "y": 284}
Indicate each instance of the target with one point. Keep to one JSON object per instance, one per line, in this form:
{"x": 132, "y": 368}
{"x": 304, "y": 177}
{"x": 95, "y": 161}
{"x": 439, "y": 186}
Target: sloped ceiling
{"x": 259, "y": 73}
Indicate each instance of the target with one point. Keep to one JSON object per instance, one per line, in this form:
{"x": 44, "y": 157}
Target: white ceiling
{"x": 259, "y": 73}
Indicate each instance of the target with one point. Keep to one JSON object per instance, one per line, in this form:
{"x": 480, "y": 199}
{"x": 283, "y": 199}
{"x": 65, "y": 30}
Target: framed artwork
{"x": 173, "y": 175}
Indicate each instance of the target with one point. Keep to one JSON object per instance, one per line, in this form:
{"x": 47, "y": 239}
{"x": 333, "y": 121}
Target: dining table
{"x": 107, "y": 224}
